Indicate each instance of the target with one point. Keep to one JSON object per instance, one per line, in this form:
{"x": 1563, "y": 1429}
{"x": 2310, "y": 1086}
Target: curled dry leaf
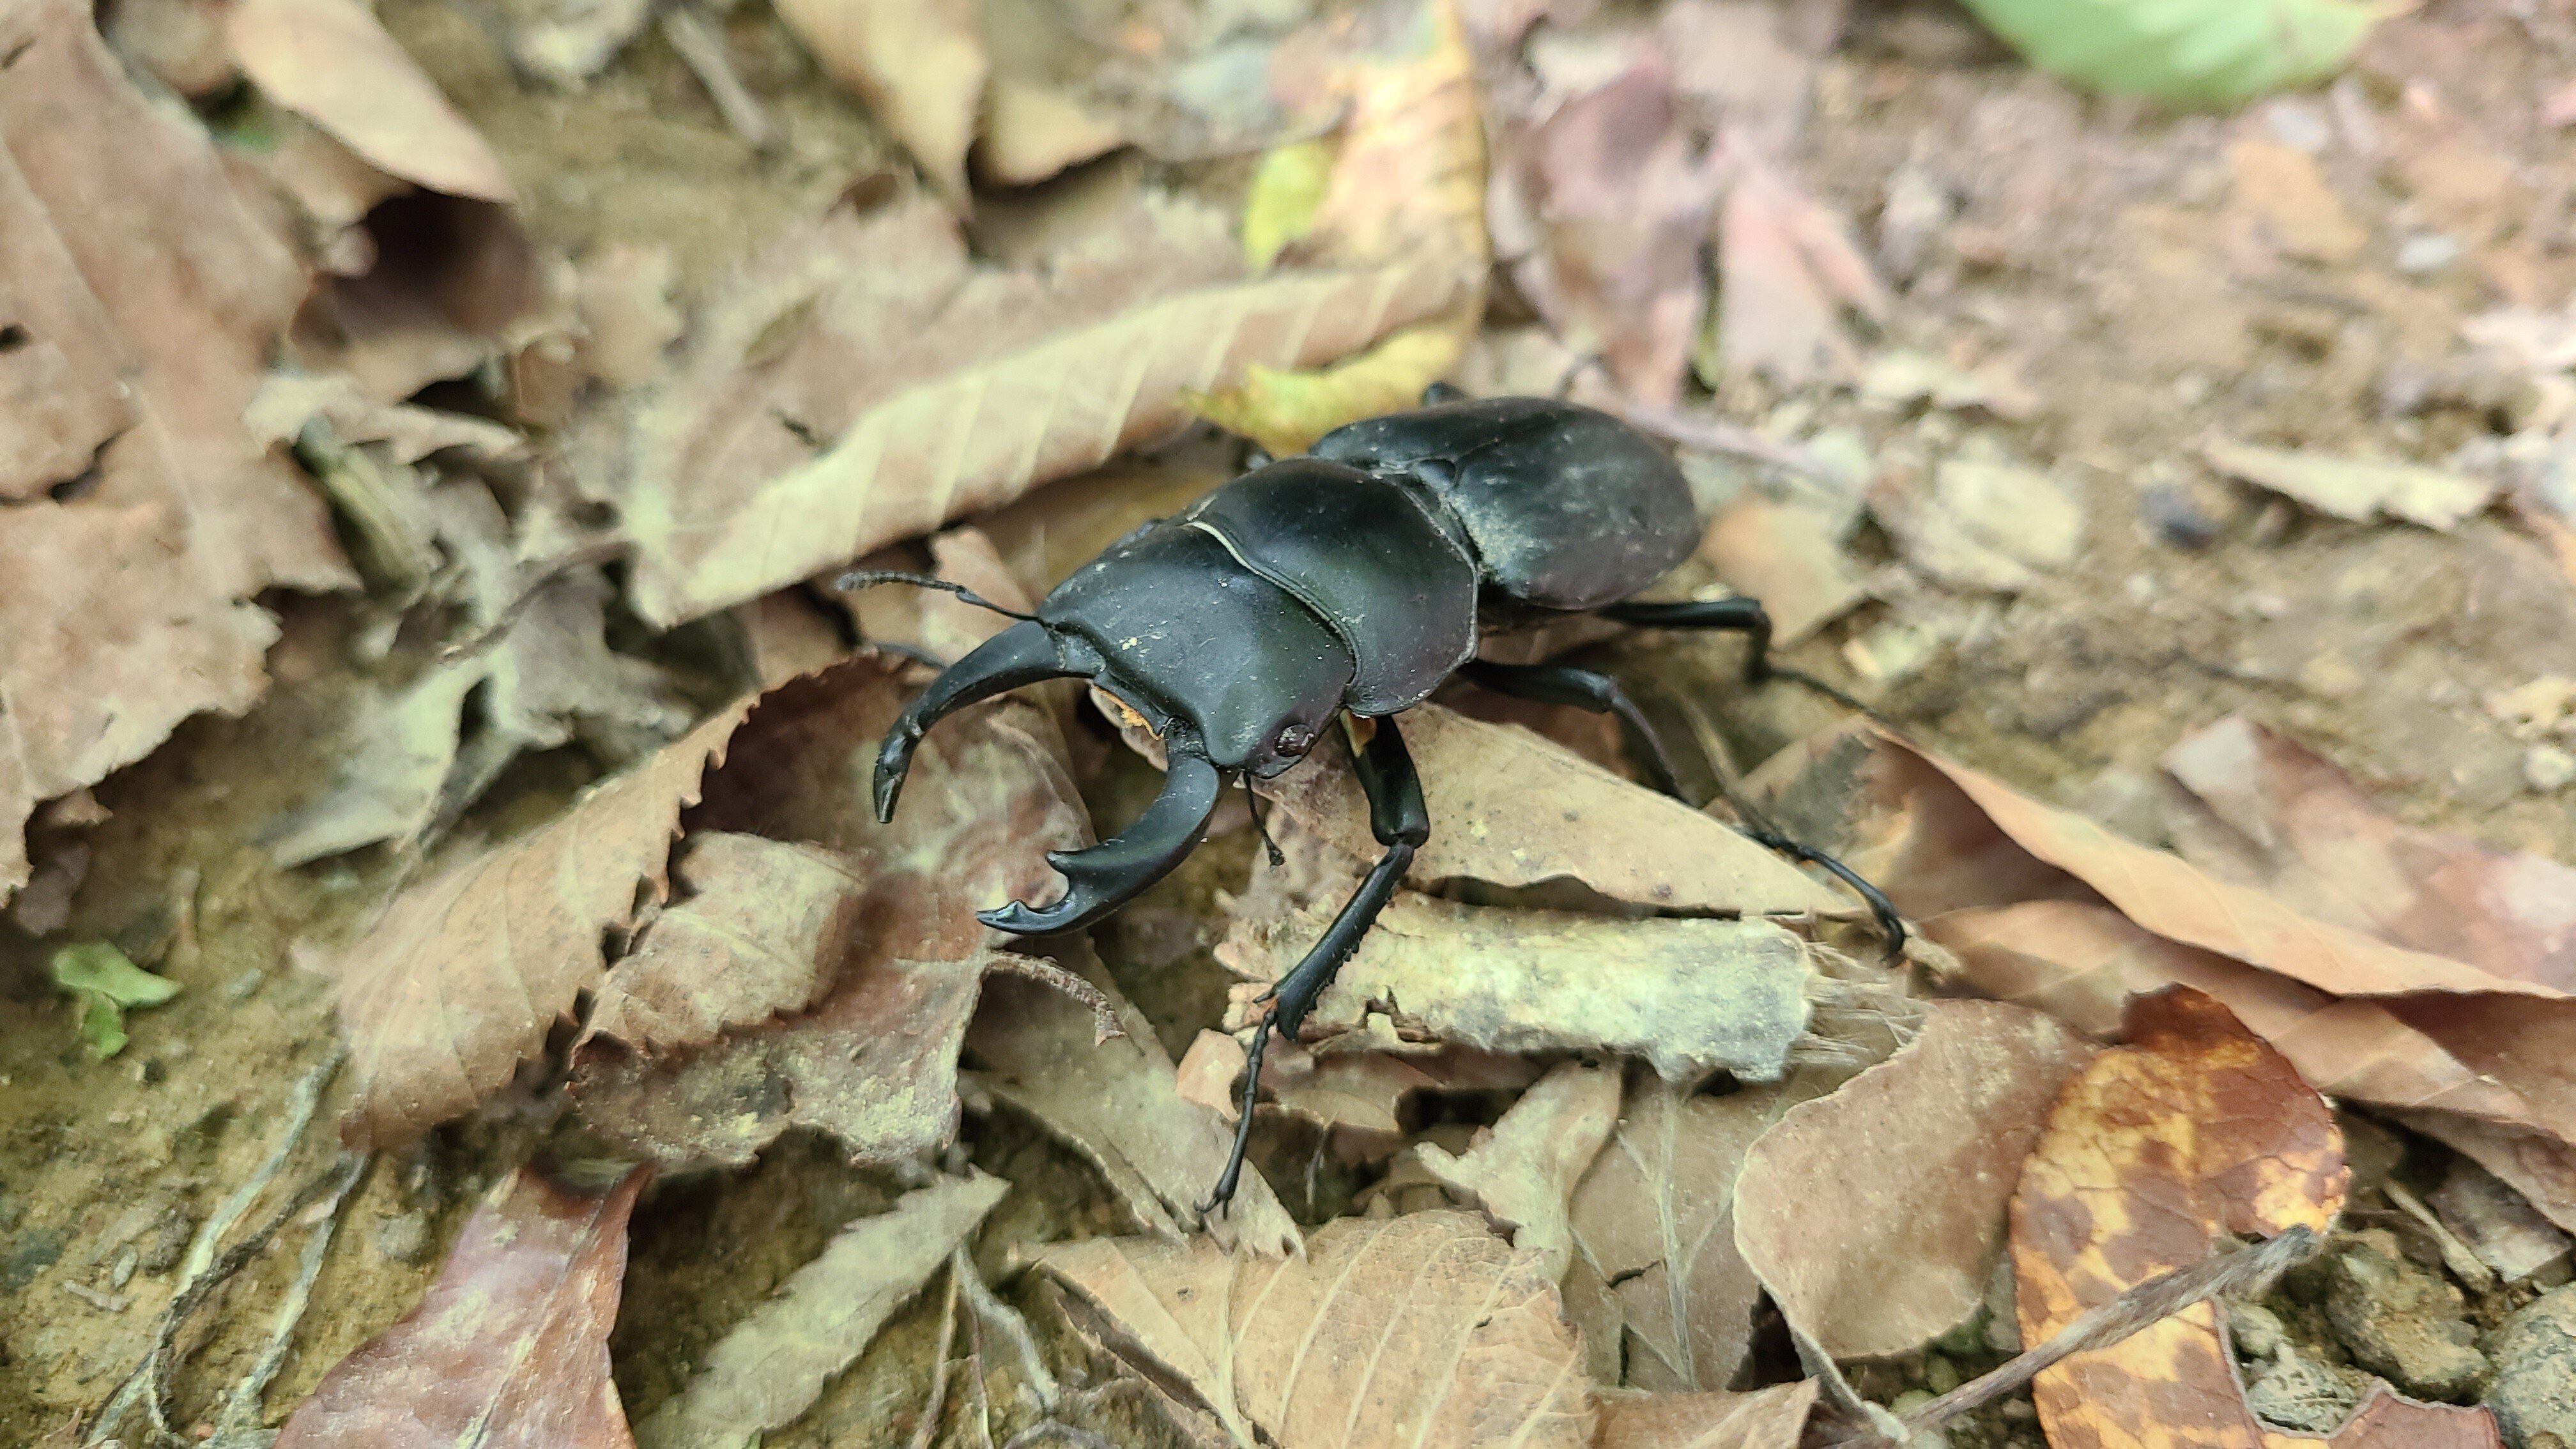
{"x": 464, "y": 975}
{"x": 1772, "y": 1418}
{"x": 143, "y": 297}
{"x": 1691, "y": 996}
{"x": 947, "y": 389}
{"x": 332, "y": 62}
{"x": 2271, "y": 813}
{"x": 919, "y": 66}
{"x": 771, "y": 1366}
{"x": 1875, "y": 1215}
{"x": 1524, "y": 1167}
{"x": 1511, "y": 809}
{"x": 509, "y": 1347}
{"x": 1423, "y": 1329}
{"x": 1787, "y": 271}
{"x": 880, "y": 970}
{"x": 2356, "y": 488}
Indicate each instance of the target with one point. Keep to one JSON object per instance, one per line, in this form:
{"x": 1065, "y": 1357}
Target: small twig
{"x": 975, "y": 1362}
{"x": 1007, "y": 1320}
{"x": 239, "y": 1426}
{"x": 703, "y": 51}
{"x": 2141, "y": 1307}
{"x": 930, "y": 1412}
{"x": 596, "y": 552}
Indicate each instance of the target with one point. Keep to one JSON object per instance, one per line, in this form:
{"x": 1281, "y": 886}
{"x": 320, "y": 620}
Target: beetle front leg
{"x": 1401, "y": 822}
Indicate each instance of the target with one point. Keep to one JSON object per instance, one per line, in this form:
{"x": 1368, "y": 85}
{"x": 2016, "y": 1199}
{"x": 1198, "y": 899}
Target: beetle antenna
{"x": 867, "y": 578}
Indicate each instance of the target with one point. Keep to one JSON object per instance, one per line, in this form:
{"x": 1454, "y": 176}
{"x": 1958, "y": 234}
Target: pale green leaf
{"x": 105, "y": 983}
{"x": 2188, "y": 52}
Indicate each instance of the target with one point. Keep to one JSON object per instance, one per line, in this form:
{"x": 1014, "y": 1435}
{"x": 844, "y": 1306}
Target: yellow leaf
{"x": 1287, "y": 191}
{"x": 1286, "y": 412}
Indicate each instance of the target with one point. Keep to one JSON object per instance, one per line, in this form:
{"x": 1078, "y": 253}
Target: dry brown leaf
{"x": 623, "y": 297}
{"x": 142, "y": 298}
{"x": 771, "y": 1366}
{"x": 464, "y": 975}
{"x": 1875, "y": 1216}
{"x": 449, "y": 281}
{"x": 1031, "y": 132}
{"x": 332, "y": 62}
{"x": 1512, "y": 809}
{"x": 2356, "y": 488}
{"x": 1603, "y": 205}
{"x": 1949, "y": 803}
{"x": 1351, "y": 1092}
{"x": 948, "y": 389}
{"x": 891, "y": 959}
{"x": 1422, "y": 1330}
{"x": 1772, "y": 1418}
{"x": 1783, "y": 554}
{"x": 1119, "y": 1104}
{"x": 1655, "y": 1264}
{"x": 508, "y": 1348}
{"x": 2540, "y": 1167}
{"x": 759, "y": 929}
{"x": 1787, "y": 271}
{"x": 2158, "y": 1152}
{"x": 1689, "y": 995}
{"x": 288, "y": 402}
{"x": 1525, "y": 1166}
{"x": 2272, "y": 814}
{"x": 2081, "y": 963}
{"x": 1409, "y": 180}
{"x": 920, "y": 66}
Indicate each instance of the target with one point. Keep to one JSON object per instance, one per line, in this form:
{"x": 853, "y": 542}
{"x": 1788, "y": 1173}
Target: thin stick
{"x": 241, "y": 1415}
{"x": 703, "y": 51}
{"x": 930, "y": 1412}
{"x": 1007, "y": 1320}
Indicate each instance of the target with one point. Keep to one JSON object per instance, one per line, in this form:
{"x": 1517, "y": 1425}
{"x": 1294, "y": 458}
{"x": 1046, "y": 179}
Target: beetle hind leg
{"x": 1401, "y": 822}
{"x": 1108, "y": 875}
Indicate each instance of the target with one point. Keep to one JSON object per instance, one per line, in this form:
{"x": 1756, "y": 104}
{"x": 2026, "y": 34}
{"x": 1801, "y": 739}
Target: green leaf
{"x": 2187, "y": 52}
{"x": 105, "y": 983}
{"x": 1287, "y": 192}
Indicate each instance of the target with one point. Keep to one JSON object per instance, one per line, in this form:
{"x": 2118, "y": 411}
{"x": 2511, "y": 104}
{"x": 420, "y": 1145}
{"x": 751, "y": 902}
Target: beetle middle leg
{"x": 1591, "y": 690}
{"x": 1737, "y": 613}
{"x": 1401, "y": 822}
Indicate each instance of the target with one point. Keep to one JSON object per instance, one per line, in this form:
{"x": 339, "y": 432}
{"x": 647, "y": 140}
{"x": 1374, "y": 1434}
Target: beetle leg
{"x": 1401, "y": 822}
{"x": 1108, "y": 875}
{"x": 1021, "y": 654}
{"x": 1739, "y": 613}
{"x": 1582, "y": 689}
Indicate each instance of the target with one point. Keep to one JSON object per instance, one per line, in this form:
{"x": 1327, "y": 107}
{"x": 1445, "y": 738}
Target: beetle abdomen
{"x": 1369, "y": 558}
{"x": 1568, "y": 507}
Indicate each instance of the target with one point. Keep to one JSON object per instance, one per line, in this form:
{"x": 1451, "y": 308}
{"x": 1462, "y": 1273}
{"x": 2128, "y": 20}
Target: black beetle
{"x": 1351, "y": 581}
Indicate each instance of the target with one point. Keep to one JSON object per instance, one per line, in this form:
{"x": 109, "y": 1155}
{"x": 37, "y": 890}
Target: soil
{"x": 2103, "y": 251}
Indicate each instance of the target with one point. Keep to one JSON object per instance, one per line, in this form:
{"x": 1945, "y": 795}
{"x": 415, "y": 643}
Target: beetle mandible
{"x": 1347, "y": 582}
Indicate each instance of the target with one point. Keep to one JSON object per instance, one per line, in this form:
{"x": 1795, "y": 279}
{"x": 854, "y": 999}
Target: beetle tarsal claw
{"x": 1108, "y": 875}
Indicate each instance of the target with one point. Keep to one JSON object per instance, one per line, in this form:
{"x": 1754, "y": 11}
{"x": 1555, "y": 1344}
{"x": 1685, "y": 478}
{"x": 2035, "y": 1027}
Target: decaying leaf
{"x": 920, "y": 67}
{"x": 1787, "y": 271}
{"x": 1655, "y": 1262}
{"x": 2159, "y": 1151}
{"x": 1512, "y": 809}
{"x": 1424, "y": 1329}
{"x": 2356, "y": 488}
{"x": 403, "y": 749}
{"x": 1285, "y": 412}
{"x": 333, "y": 62}
{"x": 509, "y": 1348}
{"x": 464, "y": 975}
{"x": 2273, "y": 814}
{"x": 1875, "y": 1215}
{"x": 933, "y": 388}
{"x": 1772, "y": 1418}
{"x": 1119, "y": 1104}
{"x": 142, "y": 297}
{"x": 1525, "y": 1166}
{"x": 868, "y": 995}
{"x": 1689, "y": 995}
{"x": 1350, "y": 1091}
{"x": 2192, "y": 52}
{"x": 1784, "y": 554}
{"x": 773, "y": 1364}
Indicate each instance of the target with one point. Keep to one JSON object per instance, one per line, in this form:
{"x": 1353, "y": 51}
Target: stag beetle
{"x": 1346, "y": 583}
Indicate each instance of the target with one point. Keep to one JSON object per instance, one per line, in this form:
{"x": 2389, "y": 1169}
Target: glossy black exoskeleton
{"x": 1349, "y": 581}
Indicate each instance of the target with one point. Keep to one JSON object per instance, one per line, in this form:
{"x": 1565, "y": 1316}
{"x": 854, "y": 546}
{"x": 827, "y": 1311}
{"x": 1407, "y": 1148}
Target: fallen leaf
{"x": 332, "y": 62}
{"x": 1287, "y": 191}
{"x": 1787, "y": 270}
{"x": 1349, "y": 1091}
{"x": 464, "y": 975}
{"x": 950, "y": 389}
{"x": 1875, "y": 1216}
{"x": 2356, "y": 488}
{"x": 450, "y": 285}
{"x": 1524, "y": 1167}
{"x": 624, "y": 297}
{"x": 1984, "y": 525}
{"x": 771, "y": 1366}
{"x": 2159, "y": 1152}
{"x": 2539, "y": 1166}
{"x": 104, "y": 985}
{"x": 2270, "y": 813}
{"x": 890, "y": 958}
{"x": 1689, "y": 995}
{"x": 2199, "y": 52}
{"x": 2498, "y": 1225}
{"x": 759, "y": 929}
{"x": 920, "y": 67}
{"x": 1772, "y": 1418}
{"x": 1512, "y": 809}
{"x": 1423, "y": 1329}
{"x": 1031, "y": 132}
{"x": 1285, "y": 412}
{"x": 142, "y": 297}
{"x": 401, "y": 750}
{"x": 1656, "y": 1279}
{"x": 1118, "y": 1103}
{"x": 287, "y": 403}
{"x": 508, "y": 1348}
{"x": 1784, "y": 554}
